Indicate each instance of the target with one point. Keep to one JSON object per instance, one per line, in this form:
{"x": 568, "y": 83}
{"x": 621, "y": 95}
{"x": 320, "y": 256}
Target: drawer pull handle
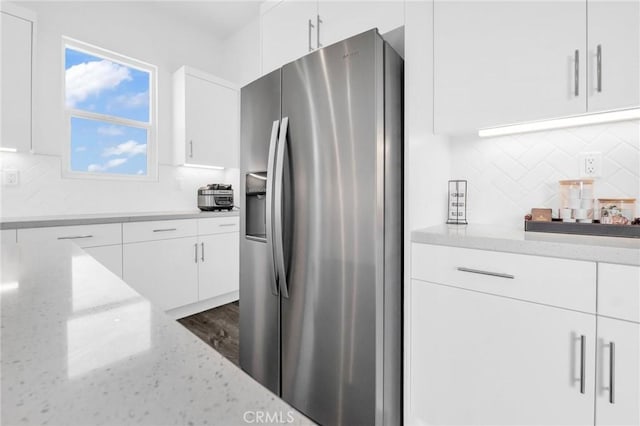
{"x": 227, "y": 224}
{"x": 481, "y": 272}
{"x": 164, "y": 230}
{"x": 75, "y": 237}
{"x": 612, "y": 373}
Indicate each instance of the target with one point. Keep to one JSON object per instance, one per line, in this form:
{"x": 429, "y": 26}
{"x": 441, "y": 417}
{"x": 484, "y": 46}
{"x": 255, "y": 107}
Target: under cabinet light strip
{"x": 202, "y": 166}
{"x": 559, "y": 123}
{"x": 8, "y": 149}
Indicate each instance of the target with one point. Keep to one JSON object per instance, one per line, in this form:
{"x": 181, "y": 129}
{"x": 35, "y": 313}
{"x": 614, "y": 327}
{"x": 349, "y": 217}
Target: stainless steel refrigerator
{"x": 321, "y": 232}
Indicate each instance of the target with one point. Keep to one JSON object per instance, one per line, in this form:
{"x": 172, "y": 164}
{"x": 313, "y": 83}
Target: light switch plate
{"x": 10, "y": 177}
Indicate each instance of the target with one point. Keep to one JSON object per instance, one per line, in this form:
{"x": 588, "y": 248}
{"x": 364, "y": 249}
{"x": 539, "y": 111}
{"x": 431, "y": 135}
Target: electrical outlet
{"x": 10, "y": 177}
{"x": 590, "y": 164}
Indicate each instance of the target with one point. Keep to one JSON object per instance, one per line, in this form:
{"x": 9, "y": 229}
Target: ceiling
{"x": 221, "y": 18}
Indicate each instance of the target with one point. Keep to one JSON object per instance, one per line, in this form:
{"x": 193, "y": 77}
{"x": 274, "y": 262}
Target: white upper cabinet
{"x": 206, "y": 119}
{"x": 288, "y": 32}
{"x": 504, "y": 62}
{"x": 17, "y": 28}
{"x": 343, "y": 19}
{"x": 293, "y": 28}
{"x": 614, "y": 31}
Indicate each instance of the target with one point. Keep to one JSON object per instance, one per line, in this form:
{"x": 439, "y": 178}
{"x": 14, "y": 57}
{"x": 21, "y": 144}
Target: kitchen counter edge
{"x": 116, "y": 218}
{"x": 625, "y": 251}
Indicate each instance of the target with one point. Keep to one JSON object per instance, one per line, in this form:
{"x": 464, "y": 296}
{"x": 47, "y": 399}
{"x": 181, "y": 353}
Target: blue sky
{"x": 104, "y": 87}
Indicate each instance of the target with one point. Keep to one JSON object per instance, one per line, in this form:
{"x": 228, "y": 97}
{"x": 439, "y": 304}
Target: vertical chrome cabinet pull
{"x": 318, "y": 22}
{"x": 583, "y": 363}
{"x": 191, "y": 149}
{"x": 196, "y": 255}
{"x": 576, "y": 73}
{"x": 202, "y": 254}
{"x": 311, "y": 27}
{"x": 273, "y": 142}
{"x": 599, "y": 65}
{"x": 612, "y": 372}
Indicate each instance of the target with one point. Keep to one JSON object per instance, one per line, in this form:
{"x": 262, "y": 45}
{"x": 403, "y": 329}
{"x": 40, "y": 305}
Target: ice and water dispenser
{"x": 256, "y": 205}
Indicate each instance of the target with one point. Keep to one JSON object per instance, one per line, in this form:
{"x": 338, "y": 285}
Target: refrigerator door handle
{"x": 269, "y": 207}
{"x": 277, "y": 200}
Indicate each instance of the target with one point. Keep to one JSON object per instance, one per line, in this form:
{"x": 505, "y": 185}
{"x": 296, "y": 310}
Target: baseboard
{"x": 203, "y": 305}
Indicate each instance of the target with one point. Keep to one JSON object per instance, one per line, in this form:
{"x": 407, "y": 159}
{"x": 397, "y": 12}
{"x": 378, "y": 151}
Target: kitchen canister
{"x": 617, "y": 211}
{"x": 576, "y": 200}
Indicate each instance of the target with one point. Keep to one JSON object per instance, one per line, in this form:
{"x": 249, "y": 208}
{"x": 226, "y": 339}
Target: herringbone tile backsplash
{"x": 511, "y": 174}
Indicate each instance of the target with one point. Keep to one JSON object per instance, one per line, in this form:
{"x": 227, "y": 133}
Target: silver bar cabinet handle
{"x": 612, "y": 373}
{"x": 227, "y": 224}
{"x": 195, "y": 246}
{"x": 191, "y": 149}
{"x": 164, "y": 230}
{"x": 269, "y": 207}
{"x": 576, "y": 73}
{"x": 481, "y": 272}
{"x": 277, "y": 208}
{"x": 202, "y": 254}
{"x": 75, "y": 237}
{"x": 599, "y": 65}
{"x": 311, "y": 27}
{"x": 583, "y": 362}
{"x": 318, "y": 22}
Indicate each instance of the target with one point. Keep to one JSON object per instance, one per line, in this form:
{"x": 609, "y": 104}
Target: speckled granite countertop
{"x": 489, "y": 237}
{"x": 80, "y": 347}
{"x": 90, "y": 219}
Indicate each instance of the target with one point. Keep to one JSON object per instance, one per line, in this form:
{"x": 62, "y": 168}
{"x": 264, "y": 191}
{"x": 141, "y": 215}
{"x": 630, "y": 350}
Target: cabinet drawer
{"x": 83, "y": 235}
{"x": 158, "y": 230}
{"x": 218, "y": 225}
{"x": 559, "y": 282}
{"x": 619, "y": 291}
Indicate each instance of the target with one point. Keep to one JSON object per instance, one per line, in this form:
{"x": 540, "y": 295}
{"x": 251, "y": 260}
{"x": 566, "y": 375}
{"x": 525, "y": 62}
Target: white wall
{"x": 135, "y": 29}
{"x": 511, "y": 174}
{"x": 240, "y": 54}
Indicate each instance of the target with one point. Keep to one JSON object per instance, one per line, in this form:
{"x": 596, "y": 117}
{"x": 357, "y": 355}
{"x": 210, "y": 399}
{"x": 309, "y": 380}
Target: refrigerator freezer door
{"x": 259, "y": 306}
{"x": 334, "y": 227}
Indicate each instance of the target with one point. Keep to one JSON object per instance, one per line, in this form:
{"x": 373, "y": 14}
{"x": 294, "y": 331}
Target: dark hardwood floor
{"x": 219, "y": 328}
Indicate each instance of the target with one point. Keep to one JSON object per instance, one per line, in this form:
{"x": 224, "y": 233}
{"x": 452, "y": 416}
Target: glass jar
{"x": 617, "y": 211}
{"x": 576, "y": 200}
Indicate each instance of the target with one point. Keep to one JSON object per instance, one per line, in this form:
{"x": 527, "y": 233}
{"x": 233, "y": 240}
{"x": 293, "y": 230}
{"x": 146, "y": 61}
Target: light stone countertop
{"x": 81, "y": 347}
{"x": 91, "y": 219}
{"x": 495, "y": 238}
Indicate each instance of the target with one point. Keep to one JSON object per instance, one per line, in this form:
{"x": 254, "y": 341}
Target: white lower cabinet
{"x": 618, "y": 373}
{"x": 109, "y": 256}
{"x": 488, "y": 360}
{"x": 219, "y": 265}
{"x": 164, "y": 271}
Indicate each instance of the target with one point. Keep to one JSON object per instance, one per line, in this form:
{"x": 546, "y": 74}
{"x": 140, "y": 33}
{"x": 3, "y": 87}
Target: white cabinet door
{"x": 212, "y": 123}
{"x": 500, "y": 62}
{"x": 16, "y": 82}
{"x": 477, "y": 359}
{"x": 286, "y": 34}
{"x": 624, "y": 407}
{"x": 165, "y": 271}
{"x": 8, "y": 236}
{"x": 614, "y": 26}
{"x": 343, "y": 19}
{"x": 219, "y": 266}
{"x": 109, "y": 256}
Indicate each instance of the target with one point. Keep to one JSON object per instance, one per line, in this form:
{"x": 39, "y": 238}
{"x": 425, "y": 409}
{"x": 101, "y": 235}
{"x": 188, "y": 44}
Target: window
{"x": 110, "y": 113}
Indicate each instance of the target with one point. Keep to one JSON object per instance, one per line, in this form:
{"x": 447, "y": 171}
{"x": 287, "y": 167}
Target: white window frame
{"x": 150, "y": 126}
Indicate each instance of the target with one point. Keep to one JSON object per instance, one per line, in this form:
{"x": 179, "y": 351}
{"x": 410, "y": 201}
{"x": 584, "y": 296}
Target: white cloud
{"x": 81, "y": 149}
{"x": 110, "y": 131}
{"x": 131, "y": 100}
{"x": 140, "y": 172}
{"x": 89, "y": 78}
{"x": 128, "y": 148}
{"x": 106, "y": 166}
